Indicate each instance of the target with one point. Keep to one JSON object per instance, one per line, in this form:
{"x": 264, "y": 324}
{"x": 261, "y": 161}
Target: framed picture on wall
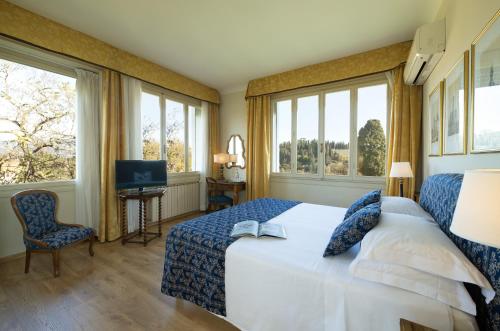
{"x": 435, "y": 120}
{"x": 456, "y": 92}
{"x": 485, "y": 88}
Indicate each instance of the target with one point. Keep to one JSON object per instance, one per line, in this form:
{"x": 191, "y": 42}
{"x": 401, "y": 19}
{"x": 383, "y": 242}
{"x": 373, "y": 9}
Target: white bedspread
{"x": 275, "y": 284}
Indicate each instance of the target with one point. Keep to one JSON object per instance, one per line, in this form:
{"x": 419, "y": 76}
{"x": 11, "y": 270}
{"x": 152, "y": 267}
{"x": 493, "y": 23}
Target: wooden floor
{"x": 117, "y": 289}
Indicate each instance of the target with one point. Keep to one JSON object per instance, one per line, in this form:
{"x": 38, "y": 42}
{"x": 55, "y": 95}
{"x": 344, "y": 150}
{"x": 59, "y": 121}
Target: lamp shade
{"x": 477, "y": 214}
{"x": 221, "y": 158}
{"x": 233, "y": 158}
{"x": 401, "y": 170}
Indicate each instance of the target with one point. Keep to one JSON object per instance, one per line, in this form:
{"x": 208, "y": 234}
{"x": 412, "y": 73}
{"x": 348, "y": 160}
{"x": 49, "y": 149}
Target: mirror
{"x": 235, "y": 146}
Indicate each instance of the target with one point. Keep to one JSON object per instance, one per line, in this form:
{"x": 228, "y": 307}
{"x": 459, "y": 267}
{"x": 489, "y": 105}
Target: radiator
{"x": 178, "y": 199}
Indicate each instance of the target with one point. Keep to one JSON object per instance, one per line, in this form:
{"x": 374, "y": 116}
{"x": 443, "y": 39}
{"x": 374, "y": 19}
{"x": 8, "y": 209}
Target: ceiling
{"x": 226, "y": 43}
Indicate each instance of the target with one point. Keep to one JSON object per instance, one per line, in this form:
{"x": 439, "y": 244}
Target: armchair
{"x": 36, "y": 210}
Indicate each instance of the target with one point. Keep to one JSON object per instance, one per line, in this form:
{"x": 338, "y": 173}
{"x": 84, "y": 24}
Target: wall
{"x": 11, "y": 233}
{"x": 233, "y": 120}
{"x": 464, "y": 20}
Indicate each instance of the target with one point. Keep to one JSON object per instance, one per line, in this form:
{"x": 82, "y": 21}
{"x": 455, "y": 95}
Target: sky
{"x": 372, "y": 104}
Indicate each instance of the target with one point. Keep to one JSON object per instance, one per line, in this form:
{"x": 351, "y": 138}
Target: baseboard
{"x": 9, "y": 258}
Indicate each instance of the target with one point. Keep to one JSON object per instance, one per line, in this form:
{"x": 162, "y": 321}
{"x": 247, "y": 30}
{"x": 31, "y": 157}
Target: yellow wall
{"x": 29, "y": 27}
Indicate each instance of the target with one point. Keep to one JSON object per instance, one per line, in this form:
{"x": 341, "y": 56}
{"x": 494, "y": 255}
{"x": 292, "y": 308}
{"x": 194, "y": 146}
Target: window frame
{"x": 14, "y": 51}
{"x": 352, "y": 85}
{"x": 163, "y": 96}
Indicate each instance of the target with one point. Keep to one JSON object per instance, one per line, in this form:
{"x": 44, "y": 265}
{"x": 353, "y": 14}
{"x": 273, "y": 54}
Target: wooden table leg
{"x": 159, "y": 215}
{"x": 236, "y": 196}
{"x": 144, "y": 237}
{"x": 123, "y": 217}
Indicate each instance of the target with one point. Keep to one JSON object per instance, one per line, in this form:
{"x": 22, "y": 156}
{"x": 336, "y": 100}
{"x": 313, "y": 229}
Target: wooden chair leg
{"x": 91, "y": 245}
{"x": 27, "y": 261}
{"x": 55, "y": 262}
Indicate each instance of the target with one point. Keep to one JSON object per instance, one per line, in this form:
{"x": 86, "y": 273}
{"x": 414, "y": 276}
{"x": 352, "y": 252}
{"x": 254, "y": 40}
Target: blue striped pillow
{"x": 365, "y": 200}
{"x": 353, "y": 229}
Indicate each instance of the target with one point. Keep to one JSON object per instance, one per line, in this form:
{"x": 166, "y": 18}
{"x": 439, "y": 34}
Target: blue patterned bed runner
{"x": 195, "y": 252}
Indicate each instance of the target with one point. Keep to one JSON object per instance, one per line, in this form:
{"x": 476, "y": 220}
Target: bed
{"x": 274, "y": 284}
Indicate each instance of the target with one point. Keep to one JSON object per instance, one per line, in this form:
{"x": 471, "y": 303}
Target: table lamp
{"x": 477, "y": 214}
{"x": 401, "y": 170}
{"x": 221, "y": 158}
{"x": 233, "y": 158}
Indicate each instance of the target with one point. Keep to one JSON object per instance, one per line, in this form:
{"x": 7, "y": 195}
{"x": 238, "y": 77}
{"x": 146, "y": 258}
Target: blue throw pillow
{"x": 353, "y": 229}
{"x": 365, "y": 200}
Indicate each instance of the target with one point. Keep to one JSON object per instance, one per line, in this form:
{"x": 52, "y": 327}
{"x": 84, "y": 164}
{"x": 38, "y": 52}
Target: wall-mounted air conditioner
{"x": 427, "y": 49}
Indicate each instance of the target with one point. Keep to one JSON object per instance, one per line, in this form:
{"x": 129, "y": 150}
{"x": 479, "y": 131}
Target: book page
{"x": 245, "y": 228}
{"x": 272, "y": 230}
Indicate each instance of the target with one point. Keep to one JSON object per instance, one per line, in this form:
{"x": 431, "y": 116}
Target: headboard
{"x": 438, "y": 196}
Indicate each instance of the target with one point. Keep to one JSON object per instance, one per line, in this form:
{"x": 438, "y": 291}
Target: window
{"x": 175, "y": 136}
{"x": 338, "y": 131}
{"x": 150, "y": 123}
{"x": 372, "y": 118}
{"x": 172, "y": 124}
{"x": 37, "y": 124}
{"x": 307, "y": 134}
{"x": 283, "y": 136}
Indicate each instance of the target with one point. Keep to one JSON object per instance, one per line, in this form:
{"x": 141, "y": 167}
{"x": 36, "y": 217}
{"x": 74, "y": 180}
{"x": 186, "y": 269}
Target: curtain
{"x": 213, "y": 136}
{"x": 204, "y": 156}
{"x": 87, "y": 149}
{"x": 405, "y": 132}
{"x": 259, "y": 146}
{"x": 131, "y": 93}
{"x": 112, "y": 148}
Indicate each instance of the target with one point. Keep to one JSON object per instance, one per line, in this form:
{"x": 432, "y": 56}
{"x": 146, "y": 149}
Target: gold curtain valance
{"x": 29, "y": 27}
{"x": 362, "y": 64}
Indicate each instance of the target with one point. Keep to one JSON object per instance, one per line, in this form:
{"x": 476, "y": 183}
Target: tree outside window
{"x": 37, "y": 125}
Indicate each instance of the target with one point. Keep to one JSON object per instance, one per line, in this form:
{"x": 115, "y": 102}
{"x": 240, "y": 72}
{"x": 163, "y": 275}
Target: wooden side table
{"x": 143, "y": 197}
{"x": 406, "y": 325}
{"x": 234, "y": 187}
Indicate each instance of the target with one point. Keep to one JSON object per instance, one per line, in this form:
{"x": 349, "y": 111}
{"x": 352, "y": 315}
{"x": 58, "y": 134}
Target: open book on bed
{"x": 254, "y": 229}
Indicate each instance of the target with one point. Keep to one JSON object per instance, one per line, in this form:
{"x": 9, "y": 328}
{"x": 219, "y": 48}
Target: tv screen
{"x": 139, "y": 174}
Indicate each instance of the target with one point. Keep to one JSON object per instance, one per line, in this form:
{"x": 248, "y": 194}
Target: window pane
{"x": 192, "y": 138}
{"x": 150, "y": 122}
{"x": 174, "y": 134}
{"x": 372, "y": 119}
{"x": 37, "y": 124}
{"x": 337, "y": 133}
{"x": 307, "y": 134}
{"x": 283, "y": 128}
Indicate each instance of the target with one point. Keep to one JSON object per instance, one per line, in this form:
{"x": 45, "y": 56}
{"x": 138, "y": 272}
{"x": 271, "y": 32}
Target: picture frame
{"x": 485, "y": 88}
{"x": 456, "y": 99}
{"x": 436, "y": 120}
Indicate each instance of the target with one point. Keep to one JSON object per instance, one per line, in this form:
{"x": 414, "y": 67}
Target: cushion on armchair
{"x": 220, "y": 199}
{"x": 64, "y": 236}
{"x": 38, "y": 212}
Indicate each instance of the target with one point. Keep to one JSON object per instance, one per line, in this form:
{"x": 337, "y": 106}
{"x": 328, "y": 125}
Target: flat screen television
{"x": 139, "y": 174}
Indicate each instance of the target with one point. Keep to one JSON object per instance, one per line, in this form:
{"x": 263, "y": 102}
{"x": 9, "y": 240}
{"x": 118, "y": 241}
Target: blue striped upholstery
{"x": 438, "y": 196}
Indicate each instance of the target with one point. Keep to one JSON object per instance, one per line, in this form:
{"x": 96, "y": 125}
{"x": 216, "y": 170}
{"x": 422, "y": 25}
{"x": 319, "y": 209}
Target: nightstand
{"x": 406, "y": 325}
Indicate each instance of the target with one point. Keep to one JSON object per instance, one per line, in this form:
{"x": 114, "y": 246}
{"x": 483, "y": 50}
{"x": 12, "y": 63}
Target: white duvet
{"x": 276, "y": 284}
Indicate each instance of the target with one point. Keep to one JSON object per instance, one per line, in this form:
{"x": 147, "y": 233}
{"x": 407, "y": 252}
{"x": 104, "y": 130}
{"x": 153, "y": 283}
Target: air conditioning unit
{"x": 427, "y": 49}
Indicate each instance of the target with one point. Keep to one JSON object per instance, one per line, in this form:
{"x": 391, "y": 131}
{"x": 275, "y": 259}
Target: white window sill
{"x": 180, "y": 178}
{"x": 347, "y": 181}
{"x": 60, "y": 186}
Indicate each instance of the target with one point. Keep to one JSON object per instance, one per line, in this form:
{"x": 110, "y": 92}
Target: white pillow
{"x": 405, "y": 206}
{"x": 445, "y": 290}
{"x": 407, "y": 241}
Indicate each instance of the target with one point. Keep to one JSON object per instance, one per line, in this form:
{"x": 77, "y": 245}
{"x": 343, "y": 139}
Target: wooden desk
{"x": 143, "y": 198}
{"x": 234, "y": 187}
{"x": 406, "y": 325}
